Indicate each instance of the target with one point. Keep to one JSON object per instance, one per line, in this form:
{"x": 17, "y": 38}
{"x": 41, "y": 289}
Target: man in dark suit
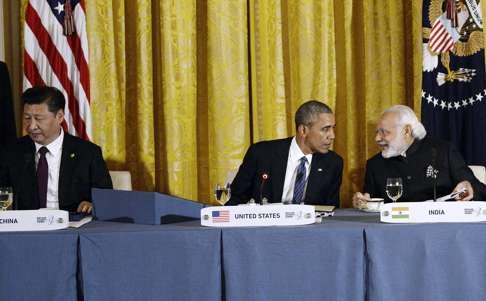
{"x": 296, "y": 169}
{"x": 421, "y": 162}
{"x": 50, "y": 168}
{"x": 7, "y": 121}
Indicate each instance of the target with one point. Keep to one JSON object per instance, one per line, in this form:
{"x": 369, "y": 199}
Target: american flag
{"x": 56, "y": 54}
{"x": 442, "y": 35}
{"x": 454, "y": 84}
{"x": 220, "y": 216}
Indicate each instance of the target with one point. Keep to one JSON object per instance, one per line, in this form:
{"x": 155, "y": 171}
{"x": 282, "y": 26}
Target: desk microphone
{"x": 264, "y": 177}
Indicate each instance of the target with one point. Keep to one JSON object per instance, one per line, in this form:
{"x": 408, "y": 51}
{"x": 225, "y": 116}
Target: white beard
{"x": 395, "y": 148}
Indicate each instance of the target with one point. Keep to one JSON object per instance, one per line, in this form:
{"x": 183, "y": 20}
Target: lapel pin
{"x": 72, "y": 155}
{"x": 319, "y": 169}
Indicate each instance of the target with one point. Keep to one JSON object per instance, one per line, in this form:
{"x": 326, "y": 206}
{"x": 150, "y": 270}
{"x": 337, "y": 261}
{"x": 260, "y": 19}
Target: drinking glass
{"x": 394, "y": 188}
{"x": 222, "y": 193}
{"x": 6, "y": 198}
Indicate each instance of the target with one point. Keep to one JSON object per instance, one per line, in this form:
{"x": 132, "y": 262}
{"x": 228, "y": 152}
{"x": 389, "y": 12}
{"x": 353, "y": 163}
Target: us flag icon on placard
{"x": 220, "y": 216}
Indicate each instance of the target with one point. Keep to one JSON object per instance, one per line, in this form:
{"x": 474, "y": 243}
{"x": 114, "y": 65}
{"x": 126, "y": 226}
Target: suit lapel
{"x": 68, "y": 163}
{"x": 317, "y": 171}
{"x": 29, "y": 174}
{"x": 279, "y": 168}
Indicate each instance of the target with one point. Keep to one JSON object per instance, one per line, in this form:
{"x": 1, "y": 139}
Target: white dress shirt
{"x": 53, "y": 158}
{"x": 293, "y": 161}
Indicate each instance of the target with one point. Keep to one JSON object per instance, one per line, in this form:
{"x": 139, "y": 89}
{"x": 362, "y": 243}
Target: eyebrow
{"x": 35, "y": 114}
{"x": 382, "y": 130}
{"x": 330, "y": 126}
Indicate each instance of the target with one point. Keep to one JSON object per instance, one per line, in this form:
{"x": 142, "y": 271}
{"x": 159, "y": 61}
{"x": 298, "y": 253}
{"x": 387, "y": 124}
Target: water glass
{"x": 222, "y": 193}
{"x": 6, "y": 198}
{"x": 394, "y": 188}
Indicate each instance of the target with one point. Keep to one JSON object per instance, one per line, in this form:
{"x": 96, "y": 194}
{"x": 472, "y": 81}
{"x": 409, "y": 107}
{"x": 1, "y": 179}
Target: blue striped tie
{"x": 300, "y": 181}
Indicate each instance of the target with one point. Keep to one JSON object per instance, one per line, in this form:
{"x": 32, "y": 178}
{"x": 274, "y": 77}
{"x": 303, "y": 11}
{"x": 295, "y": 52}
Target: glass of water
{"x": 394, "y": 188}
{"x": 6, "y": 198}
{"x": 222, "y": 193}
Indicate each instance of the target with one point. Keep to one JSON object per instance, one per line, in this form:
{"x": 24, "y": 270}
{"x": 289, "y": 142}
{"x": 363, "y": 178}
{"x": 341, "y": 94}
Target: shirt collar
{"x": 296, "y": 153}
{"x": 54, "y": 147}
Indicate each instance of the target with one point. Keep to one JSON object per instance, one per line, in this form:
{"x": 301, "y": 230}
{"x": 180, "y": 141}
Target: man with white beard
{"x": 407, "y": 154}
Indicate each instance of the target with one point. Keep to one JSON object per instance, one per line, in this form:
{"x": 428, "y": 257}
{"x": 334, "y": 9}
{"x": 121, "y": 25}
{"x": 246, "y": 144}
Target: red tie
{"x": 42, "y": 176}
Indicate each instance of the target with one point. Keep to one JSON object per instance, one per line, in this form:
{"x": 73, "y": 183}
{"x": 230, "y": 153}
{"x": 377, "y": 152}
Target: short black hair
{"x": 44, "y": 94}
{"x": 307, "y": 112}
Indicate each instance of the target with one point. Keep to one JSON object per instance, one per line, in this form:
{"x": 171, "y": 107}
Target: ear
{"x": 408, "y": 130}
{"x": 301, "y": 129}
{"x": 60, "y": 115}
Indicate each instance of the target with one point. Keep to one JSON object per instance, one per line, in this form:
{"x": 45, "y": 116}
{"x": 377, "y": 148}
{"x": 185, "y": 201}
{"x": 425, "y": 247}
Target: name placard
{"x": 33, "y": 220}
{"x": 258, "y": 215}
{"x": 433, "y": 212}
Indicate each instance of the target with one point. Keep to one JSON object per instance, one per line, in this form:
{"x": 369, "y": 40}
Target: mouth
{"x": 35, "y": 135}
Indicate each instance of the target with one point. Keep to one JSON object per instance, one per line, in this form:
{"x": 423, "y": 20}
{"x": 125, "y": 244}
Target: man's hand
{"x": 360, "y": 200}
{"x": 466, "y": 195}
{"x": 85, "y": 207}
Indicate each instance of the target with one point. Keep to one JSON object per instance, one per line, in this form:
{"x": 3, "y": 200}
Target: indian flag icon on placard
{"x": 400, "y": 213}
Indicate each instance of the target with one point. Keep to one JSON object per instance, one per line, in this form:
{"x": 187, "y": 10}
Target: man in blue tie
{"x": 299, "y": 169}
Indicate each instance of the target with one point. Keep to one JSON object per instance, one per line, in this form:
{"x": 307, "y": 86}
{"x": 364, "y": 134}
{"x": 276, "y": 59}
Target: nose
{"x": 31, "y": 124}
{"x": 331, "y": 135}
{"x": 377, "y": 137}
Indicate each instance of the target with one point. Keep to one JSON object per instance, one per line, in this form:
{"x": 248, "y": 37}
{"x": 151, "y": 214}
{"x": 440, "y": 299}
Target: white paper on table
{"x": 451, "y": 195}
{"x": 81, "y": 222}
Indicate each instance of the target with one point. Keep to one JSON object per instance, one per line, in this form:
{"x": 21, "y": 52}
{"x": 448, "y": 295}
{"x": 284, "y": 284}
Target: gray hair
{"x": 407, "y": 116}
{"x": 307, "y": 112}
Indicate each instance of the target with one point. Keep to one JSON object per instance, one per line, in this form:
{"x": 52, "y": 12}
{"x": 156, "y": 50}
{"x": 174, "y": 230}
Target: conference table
{"x": 351, "y": 256}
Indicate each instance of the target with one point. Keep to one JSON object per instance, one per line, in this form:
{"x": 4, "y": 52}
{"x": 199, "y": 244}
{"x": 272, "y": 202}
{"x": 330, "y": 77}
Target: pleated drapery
{"x": 180, "y": 88}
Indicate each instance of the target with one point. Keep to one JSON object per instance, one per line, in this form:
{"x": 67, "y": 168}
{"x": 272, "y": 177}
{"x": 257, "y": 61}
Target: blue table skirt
{"x": 317, "y": 262}
{"x": 38, "y": 266}
{"x": 144, "y": 262}
{"x": 427, "y": 262}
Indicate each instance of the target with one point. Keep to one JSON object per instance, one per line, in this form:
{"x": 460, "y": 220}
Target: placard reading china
{"x": 33, "y": 220}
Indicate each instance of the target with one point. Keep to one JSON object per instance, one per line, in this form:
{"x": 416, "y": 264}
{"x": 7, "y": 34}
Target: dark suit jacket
{"x": 7, "y": 120}
{"x": 271, "y": 157}
{"x": 82, "y": 167}
{"x": 417, "y": 187}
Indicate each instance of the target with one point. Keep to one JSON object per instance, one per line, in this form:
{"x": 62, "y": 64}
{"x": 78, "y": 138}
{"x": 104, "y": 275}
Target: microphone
{"x": 264, "y": 176}
{"x": 434, "y": 155}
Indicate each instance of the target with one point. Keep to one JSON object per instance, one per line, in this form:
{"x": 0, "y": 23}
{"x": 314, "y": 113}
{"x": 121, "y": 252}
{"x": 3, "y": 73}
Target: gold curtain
{"x": 180, "y": 88}
{"x": 379, "y": 63}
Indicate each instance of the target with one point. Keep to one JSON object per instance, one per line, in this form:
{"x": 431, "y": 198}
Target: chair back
{"x": 122, "y": 179}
